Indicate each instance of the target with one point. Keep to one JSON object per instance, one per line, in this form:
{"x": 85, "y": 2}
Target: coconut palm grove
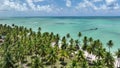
{"x": 21, "y": 47}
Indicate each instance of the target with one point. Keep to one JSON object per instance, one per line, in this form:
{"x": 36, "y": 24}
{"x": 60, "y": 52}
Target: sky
{"x": 59, "y": 8}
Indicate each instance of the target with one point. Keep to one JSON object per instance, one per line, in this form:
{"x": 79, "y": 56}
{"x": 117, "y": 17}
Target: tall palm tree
{"x": 71, "y": 46}
{"x": 77, "y": 45}
{"x": 85, "y": 43}
{"x": 57, "y": 40}
{"x": 100, "y": 54}
{"x": 93, "y": 47}
{"x": 118, "y": 57}
{"x": 52, "y": 58}
{"x": 110, "y": 44}
{"x": 84, "y": 64}
{"x": 79, "y": 34}
{"x": 68, "y": 35}
{"x": 118, "y": 53}
{"x": 64, "y": 45}
{"x": 39, "y": 29}
{"x": 74, "y": 64}
{"x": 42, "y": 50}
{"x": 63, "y": 54}
{"x": 8, "y": 61}
{"x": 37, "y": 63}
{"x": 109, "y": 60}
{"x": 71, "y": 41}
{"x": 90, "y": 40}
{"x": 80, "y": 56}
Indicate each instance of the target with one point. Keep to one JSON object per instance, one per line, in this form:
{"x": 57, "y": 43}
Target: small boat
{"x": 94, "y": 29}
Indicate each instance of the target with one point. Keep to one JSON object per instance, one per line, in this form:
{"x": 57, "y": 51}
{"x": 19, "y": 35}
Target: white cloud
{"x": 97, "y": 0}
{"x": 112, "y": 4}
{"x": 27, "y": 6}
{"x": 86, "y": 4}
{"x": 46, "y": 8}
{"x": 68, "y": 3}
{"x": 117, "y": 6}
{"x": 30, "y": 4}
{"x": 10, "y": 5}
{"x": 109, "y": 5}
{"x": 103, "y": 7}
{"x": 110, "y": 1}
{"x": 38, "y": 0}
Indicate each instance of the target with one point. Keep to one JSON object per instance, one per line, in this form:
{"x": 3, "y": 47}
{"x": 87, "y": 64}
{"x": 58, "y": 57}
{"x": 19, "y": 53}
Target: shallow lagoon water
{"x": 108, "y": 28}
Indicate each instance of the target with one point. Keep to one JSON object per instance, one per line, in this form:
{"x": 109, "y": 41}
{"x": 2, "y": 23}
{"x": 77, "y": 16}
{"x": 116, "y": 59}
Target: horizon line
{"x": 59, "y": 16}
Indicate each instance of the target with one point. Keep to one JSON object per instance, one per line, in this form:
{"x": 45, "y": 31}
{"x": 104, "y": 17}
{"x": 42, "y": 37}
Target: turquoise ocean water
{"x": 108, "y": 28}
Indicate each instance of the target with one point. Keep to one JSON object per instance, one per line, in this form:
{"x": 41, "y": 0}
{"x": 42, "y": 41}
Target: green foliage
{"x": 37, "y": 63}
{"x": 118, "y": 53}
{"x": 23, "y": 47}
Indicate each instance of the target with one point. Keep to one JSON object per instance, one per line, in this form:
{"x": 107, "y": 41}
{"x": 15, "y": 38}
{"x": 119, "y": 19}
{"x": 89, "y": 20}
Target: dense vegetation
{"x": 21, "y": 47}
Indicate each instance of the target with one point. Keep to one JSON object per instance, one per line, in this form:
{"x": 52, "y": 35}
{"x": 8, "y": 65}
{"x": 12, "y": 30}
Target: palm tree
{"x": 19, "y": 53}
{"x": 93, "y": 47}
{"x": 52, "y": 58}
{"x": 90, "y": 40}
{"x": 118, "y": 53}
{"x": 37, "y": 63}
{"x": 89, "y": 49}
{"x": 85, "y": 41}
{"x": 38, "y": 33}
{"x": 71, "y": 41}
{"x": 100, "y": 54}
{"x": 118, "y": 57}
{"x": 39, "y": 29}
{"x": 79, "y": 34}
{"x": 109, "y": 60}
{"x": 99, "y": 64}
{"x": 68, "y": 35}
{"x": 63, "y": 54}
{"x": 57, "y": 40}
{"x": 77, "y": 45}
{"x": 21, "y": 43}
{"x": 64, "y": 39}
{"x": 74, "y": 64}
{"x": 110, "y": 44}
{"x": 42, "y": 51}
{"x": 64, "y": 45}
{"x": 71, "y": 46}
{"x": 80, "y": 56}
{"x": 8, "y": 61}
{"x": 84, "y": 64}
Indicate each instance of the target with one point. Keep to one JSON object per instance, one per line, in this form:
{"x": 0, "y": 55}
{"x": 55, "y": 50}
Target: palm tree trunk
{"x": 109, "y": 49}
